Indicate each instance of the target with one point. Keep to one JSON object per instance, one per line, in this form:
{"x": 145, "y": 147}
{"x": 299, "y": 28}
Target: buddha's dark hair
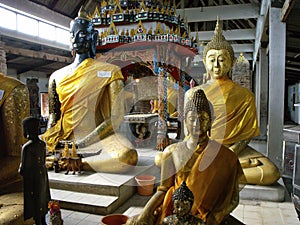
{"x": 31, "y": 126}
{"x": 198, "y": 102}
{"x": 183, "y": 193}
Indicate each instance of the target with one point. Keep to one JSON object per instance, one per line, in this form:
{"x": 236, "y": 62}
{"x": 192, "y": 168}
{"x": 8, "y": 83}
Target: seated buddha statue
{"x": 210, "y": 170}
{"x": 14, "y": 107}
{"x": 183, "y": 200}
{"x": 84, "y": 104}
{"x": 235, "y": 122}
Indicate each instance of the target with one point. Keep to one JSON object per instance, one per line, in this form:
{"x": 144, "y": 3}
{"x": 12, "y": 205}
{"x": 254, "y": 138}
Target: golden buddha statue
{"x": 14, "y": 106}
{"x": 84, "y": 100}
{"x": 235, "y": 122}
{"x": 210, "y": 170}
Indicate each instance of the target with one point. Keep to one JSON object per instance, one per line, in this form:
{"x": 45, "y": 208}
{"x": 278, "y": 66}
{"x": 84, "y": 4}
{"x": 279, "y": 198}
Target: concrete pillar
{"x": 3, "y": 65}
{"x": 257, "y": 88}
{"x": 262, "y": 95}
{"x": 277, "y": 43}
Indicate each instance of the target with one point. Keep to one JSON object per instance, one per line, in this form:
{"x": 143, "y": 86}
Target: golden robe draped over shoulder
{"x": 8, "y": 84}
{"x": 213, "y": 179}
{"x": 85, "y": 100}
{"x": 235, "y": 117}
{"x": 14, "y": 107}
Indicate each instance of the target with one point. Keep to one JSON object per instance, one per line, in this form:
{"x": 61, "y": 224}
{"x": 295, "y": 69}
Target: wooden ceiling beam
{"x": 237, "y": 48}
{"x": 286, "y": 9}
{"x": 260, "y": 28}
{"x": 53, "y": 4}
{"x": 239, "y": 34}
{"x": 36, "y": 54}
{"x": 225, "y": 12}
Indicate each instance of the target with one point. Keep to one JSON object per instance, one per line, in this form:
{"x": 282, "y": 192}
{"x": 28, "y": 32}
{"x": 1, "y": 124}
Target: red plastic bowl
{"x": 114, "y": 219}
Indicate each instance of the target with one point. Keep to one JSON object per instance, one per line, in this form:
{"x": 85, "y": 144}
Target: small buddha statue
{"x": 84, "y": 99}
{"x": 183, "y": 200}
{"x": 235, "y": 122}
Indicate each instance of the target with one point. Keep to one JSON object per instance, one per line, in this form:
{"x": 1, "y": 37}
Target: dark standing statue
{"x": 34, "y": 172}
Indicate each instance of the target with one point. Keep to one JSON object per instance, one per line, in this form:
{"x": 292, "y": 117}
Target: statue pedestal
{"x": 231, "y": 220}
{"x": 274, "y": 193}
{"x": 98, "y": 192}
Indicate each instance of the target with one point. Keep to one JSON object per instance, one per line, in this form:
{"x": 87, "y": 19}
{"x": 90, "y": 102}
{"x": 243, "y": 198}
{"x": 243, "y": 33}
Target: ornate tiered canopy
{"x": 148, "y": 34}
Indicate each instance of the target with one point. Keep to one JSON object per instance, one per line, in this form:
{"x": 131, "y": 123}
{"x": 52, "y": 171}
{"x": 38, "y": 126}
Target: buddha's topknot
{"x": 183, "y": 193}
{"x": 218, "y": 42}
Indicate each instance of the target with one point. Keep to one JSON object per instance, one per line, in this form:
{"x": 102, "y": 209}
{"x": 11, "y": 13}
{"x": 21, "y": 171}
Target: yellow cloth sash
{"x": 7, "y": 84}
{"x": 80, "y": 92}
{"x": 234, "y": 110}
{"x": 213, "y": 180}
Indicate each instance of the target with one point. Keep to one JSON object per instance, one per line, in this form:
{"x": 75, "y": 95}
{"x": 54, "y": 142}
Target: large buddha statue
{"x": 84, "y": 100}
{"x": 14, "y": 107}
{"x": 210, "y": 170}
{"x": 235, "y": 122}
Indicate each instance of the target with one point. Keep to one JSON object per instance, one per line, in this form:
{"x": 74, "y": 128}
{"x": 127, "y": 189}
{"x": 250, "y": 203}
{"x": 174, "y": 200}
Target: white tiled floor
{"x": 249, "y": 212}
{"x": 266, "y": 213}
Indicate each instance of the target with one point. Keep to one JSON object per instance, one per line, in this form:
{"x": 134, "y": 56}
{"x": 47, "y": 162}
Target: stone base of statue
{"x": 230, "y": 220}
{"x": 273, "y": 193}
{"x": 100, "y": 192}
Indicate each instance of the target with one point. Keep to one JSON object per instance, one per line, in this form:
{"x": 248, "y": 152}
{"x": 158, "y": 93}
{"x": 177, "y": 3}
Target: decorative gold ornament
{"x": 74, "y": 150}
{"x": 66, "y": 152}
{"x": 103, "y": 4}
{"x": 158, "y": 29}
{"x": 140, "y": 29}
{"x": 82, "y": 14}
{"x": 242, "y": 59}
{"x": 112, "y": 30}
{"x": 118, "y": 8}
{"x": 143, "y": 8}
{"x": 96, "y": 13}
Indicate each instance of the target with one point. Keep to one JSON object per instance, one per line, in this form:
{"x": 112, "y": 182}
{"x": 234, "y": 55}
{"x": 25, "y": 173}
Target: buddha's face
{"x": 218, "y": 63}
{"x": 80, "y": 36}
{"x": 197, "y": 124}
{"x": 182, "y": 207}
